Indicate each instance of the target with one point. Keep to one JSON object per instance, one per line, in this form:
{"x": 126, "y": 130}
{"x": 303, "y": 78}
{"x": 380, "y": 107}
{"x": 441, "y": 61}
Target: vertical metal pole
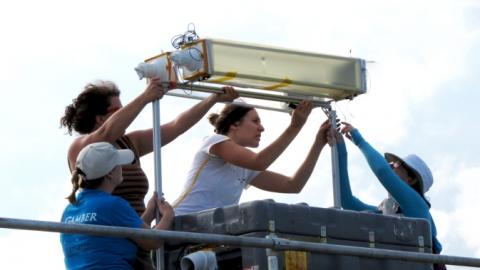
{"x": 157, "y": 157}
{"x": 332, "y": 115}
{"x": 272, "y": 255}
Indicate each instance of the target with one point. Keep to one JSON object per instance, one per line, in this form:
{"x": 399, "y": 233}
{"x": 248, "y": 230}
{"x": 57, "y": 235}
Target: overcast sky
{"x": 421, "y": 98}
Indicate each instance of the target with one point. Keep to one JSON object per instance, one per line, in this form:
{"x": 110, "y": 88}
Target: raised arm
{"x": 410, "y": 201}
{"x": 349, "y": 202}
{"x": 114, "y": 126}
{"x": 143, "y": 139}
{"x": 276, "y": 182}
{"x": 241, "y": 156}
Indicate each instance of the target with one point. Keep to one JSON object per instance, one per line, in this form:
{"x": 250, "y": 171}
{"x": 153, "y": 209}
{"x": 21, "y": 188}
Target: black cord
{"x": 192, "y": 48}
{"x": 188, "y": 37}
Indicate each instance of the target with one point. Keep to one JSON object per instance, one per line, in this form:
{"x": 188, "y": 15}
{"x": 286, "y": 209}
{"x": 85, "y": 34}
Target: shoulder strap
{"x": 124, "y": 142}
{"x": 189, "y": 189}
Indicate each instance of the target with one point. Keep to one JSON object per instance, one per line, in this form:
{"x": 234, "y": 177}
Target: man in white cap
{"x": 98, "y": 171}
{"x": 406, "y": 181}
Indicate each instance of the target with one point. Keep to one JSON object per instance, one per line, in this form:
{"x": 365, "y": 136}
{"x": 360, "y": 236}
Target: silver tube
{"x": 157, "y": 154}
{"x": 277, "y": 243}
{"x": 240, "y": 103}
{"x": 337, "y": 203}
{"x": 251, "y": 94}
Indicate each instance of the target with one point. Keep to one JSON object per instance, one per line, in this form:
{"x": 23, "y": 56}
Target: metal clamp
{"x": 421, "y": 244}
{"x": 323, "y": 234}
{"x": 272, "y": 256}
{"x": 371, "y": 239}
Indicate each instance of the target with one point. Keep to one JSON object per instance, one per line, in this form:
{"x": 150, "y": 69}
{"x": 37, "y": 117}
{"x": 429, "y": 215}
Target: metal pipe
{"x": 277, "y": 243}
{"x": 337, "y": 203}
{"x": 234, "y": 102}
{"x": 157, "y": 156}
{"x": 250, "y": 94}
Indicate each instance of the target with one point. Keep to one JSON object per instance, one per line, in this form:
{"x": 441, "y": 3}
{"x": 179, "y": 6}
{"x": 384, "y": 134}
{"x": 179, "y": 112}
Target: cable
{"x": 188, "y": 37}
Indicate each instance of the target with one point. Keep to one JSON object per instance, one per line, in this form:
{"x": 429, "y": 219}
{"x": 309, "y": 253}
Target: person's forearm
{"x": 270, "y": 153}
{"x": 347, "y": 199}
{"x": 345, "y": 189}
{"x": 187, "y": 119}
{"x": 165, "y": 222}
{"x": 148, "y": 217}
{"x": 403, "y": 194}
{"x": 375, "y": 160}
{"x": 115, "y": 126}
{"x": 305, "y": 170}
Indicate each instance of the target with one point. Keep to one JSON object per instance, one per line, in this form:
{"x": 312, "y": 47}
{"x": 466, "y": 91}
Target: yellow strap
{"x": 285, "y": 82}
{"x": 169, "y": 69}
{"x": 189, "y": 189}
{"x": 228, "y": 76}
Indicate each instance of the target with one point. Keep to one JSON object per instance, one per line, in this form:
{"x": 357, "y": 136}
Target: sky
{"x": 421, "y": 98}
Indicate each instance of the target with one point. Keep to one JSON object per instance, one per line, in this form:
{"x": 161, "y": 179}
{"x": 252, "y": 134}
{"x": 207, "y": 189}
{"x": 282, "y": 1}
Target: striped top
{"x": 135, "y": 183}
{"x": 133, "y": 189}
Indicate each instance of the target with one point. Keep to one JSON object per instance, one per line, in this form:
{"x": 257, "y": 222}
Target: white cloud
{"x": 463, "y": 219}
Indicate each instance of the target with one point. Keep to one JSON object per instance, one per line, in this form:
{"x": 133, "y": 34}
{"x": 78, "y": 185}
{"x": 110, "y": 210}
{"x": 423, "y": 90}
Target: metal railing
{"x": 239, "y": 241}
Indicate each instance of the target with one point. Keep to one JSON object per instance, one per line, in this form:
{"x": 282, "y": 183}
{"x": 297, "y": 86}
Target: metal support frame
{"x": 239, "y": 103}
{"x": 263, "y": 95}
{"x": 324, "y": 104}
{"x": 211, "y": 88}
{"x": 239, "y": 241}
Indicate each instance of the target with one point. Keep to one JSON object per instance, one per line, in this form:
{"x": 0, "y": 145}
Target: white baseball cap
{"x": 418, "y": 167}
{"x": 98, "y": 159}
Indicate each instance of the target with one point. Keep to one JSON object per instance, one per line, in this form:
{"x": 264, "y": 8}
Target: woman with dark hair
{"x": 97, "y": 172}
{"x": 224, "y": 165}
{"x": 97, "y": 115}
{"x": 406, "y": 180}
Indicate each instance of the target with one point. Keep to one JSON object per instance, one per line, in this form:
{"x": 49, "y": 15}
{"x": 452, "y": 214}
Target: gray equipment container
{"x": 303, "y": 223}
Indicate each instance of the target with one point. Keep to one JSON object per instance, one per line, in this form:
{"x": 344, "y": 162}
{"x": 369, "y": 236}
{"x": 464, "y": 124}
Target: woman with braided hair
{"x": 97, "y": 172}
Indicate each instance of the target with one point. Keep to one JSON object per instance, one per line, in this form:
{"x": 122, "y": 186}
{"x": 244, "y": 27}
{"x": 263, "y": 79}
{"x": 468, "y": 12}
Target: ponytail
{"x": 76, "y": 181}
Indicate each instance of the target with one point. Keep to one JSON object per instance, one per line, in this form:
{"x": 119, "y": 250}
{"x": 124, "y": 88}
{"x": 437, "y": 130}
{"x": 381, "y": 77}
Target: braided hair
{"x": 78, "y": 181}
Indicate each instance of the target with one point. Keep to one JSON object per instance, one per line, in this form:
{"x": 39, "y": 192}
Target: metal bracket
{"x": 371, "y": 239}
{"x": 249, "y": 93}
{"x": 421, "y": 244}
{"x": 272, "y": 255}
{"x": 323, "y": 234}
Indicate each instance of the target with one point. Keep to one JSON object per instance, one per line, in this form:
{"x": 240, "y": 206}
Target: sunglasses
{"x": 113, "y": 109}
{"x": 398, "y": 163}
